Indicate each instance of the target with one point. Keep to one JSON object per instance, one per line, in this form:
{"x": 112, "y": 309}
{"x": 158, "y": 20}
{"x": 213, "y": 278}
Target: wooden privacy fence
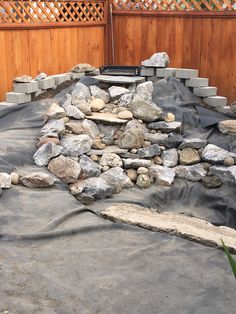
{"x": 53, "y": 35}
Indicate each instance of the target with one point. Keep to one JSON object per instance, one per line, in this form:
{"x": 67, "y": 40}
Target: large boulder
{"x": 144, "y": 90}
{"x": 159, "y": 60}
{"x": 97, "y": 92}
{"x": 91, "y": 189}
{"x": 227, "y": 127}
{"x": 38, "y": 180}
{"x": 162, "y": 175}
{"x": 45, "y": 153}
{"x": 145, "y": 110}
{"x": 117, "y": 178}
{"x": 89, "y": 168}
{"x": 215, "y": 154}
{"x": 191, "y": 173}
{"x": 65, "y": 168}
{"x": 76, "y": 145}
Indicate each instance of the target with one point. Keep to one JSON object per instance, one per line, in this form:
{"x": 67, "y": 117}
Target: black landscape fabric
{"x": 110, "y": 268}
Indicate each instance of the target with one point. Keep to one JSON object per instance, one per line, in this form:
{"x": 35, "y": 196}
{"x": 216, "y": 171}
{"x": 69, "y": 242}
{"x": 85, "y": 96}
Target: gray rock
{"x": 132, "y": 138}
{"x": 135, "y": 124}
{"x": 81, "y": 91}
{"x": 162, "y": 175}
{"x": 136, "y": 163}
{"x": 66, "y": 100}
{"x": 173, "y": 140}
{"x": 45, "y": 153}
{"x": 53, "y": 128}
{"x": 170, "y": 157}
{"x": 108, "y": 131}
{"x": 166, "y": 127}
{"x": 111, "y": 160}
{"x": 145, "y": 110}
{"x": 76, "y": 145}
{"x": 108, "y": 149}
{"x": 82, "y": 105}
{"x": 233, "y": 106}
{"x": 191, "y": 173}
{"x": 89, "y": 167}
{"x": 23, "y": 79}
{"x": 211, "y": 182}
{"x": 157, "y": 138}
{"x": 125, "y": 100}
{"x": 55, "y": 112}
{"x": 215, "y": 154}
{"x": 73, "y": 112}
{"x": 150, "y": 151}
{"x": 91, "y": 189}
{"x": 226, "y": 174}
{"x": 38, "y": 180}
{"x": 189, "y": 156}
{"x": 117, "y": 91}
{"x": 90, "y": 128}
{"x": 143, "y": 181}
{"x": 5, "y": 180}
{"x": 65, "y": 168}
{"x": 159, "y": 59}
{"x": 97, "y": 92}
{"x": 116, "y": 178}
{"x": 195, "y": 143}
{"x": 145, "y": 90}
{"x": 227, "y": 127}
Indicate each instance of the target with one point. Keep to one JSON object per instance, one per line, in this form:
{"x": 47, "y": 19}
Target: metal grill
{"x": 121, "y": 70}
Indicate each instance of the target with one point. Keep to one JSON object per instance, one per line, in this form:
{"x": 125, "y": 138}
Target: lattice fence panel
{"x": 27, "y": 11}
{"x": 175, "y": 5}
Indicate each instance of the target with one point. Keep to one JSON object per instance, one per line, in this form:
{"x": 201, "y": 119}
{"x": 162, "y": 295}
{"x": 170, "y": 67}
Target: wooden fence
{"x": 52, "y": 36}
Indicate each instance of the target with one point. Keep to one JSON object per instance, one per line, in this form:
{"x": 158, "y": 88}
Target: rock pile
{"x": 100, "y": 141}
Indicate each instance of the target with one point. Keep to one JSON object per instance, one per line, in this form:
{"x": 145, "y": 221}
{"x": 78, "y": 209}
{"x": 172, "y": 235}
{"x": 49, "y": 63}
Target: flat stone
{"x": 165, "y": 126}
{"x": 197, "y": 82}
{"x": 165, "y": 72}
{"x": 157, "y": 138}
{"x": 189, "y": 156}
{"x": 159, "y": 59}
{"x": 147, "y": 111}
{"x": 162, "y": 175}
{"x": 136, "y": 163}
{"x": 227, "y": 127}
{"x": 195, "y": 143}
{"x": 173, "y": 140}
{"x": 91, "y": 189}
{"x": 76, "y": 145}
{"x": 117, "y": 178}
{"x": 226, "y": 174}
{"x": 149, "y": 152}
{"x": 5, "y": 180}
{"x": 119, "y": 79}
{"x": 170, "y": 157}
{"x": 186, "y": 73}
{"x": 45, "y": 153}
{"x": 215, "y": 154}
{"x": 89, "y": 168}
{"x": 108, "y": 149}
{"x": 106, "y": 117}
{"x": 37, "y": 180}
{"x": 191, "y": 173}
{"x": 65, "y": 168}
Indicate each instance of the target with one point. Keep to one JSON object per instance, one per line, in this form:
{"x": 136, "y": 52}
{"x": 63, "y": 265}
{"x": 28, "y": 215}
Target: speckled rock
{"x": 162, "y": 175}
{"x": 111, "y": 160}
{"x": 191, "y": 173}
{"x": 45, "y": 153}
{"x": 5, "y": 180}
{"x": 76, "y": 145}
{"x": 189, "y": 156}
{"x": 143, "y": 181}
{"x": 170, "y": 157}
{"x": 145, "y": 110}
{"x": 89, "y": 168}
{"x": 117, "y": 178}
{"x": 38, "y": 180}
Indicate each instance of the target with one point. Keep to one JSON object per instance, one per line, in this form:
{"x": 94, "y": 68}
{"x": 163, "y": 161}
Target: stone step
{"x": 216, "y": 101}
{"x": 205, "y": 91}
{"x": 18, "y": 98}
{"x": 28, "y": 88}
{"x": 197, "y": 82}
{"x": 186, "y": 73}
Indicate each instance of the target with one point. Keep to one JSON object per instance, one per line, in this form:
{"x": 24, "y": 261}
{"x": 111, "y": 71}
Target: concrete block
{"x": 186, "y": 73}
{"x": 197, "y": 82}
{"x": 165, "y": 72}
{"x": 153, "y": 79}
{"x": 4, "y": 103}
{"x": 61, "y": 78}
{"x": 18, "y": 98}
{"x": 75, "y": 76}
{"x": 28, "y": 88}
{"x": 205, "y": 91}
{"x": 226, "y": 110}
{"x": 216, "y": 101}
{"x": 148, "y": 71}
{"x": 47, "y": 83}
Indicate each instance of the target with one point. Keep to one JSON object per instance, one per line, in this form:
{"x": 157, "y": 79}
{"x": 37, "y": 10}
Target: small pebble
{"x": 158, "y": 160}
{"x": 162, "y": 147}
{"x": 146, "y": 143}
{"x": 143, "y": 181}
{"x": 153, "y": 131}
{"x": 134, "y": 151}
{"x": 229, "y": 161}
{"x": 94, "y": 157}
{"x": 169, "y": 117}
{"x": 105, "y": 168}
{"x": 142, "y": 170}
{"x": 132, "y": 174}
{"x": 15, "y": 178}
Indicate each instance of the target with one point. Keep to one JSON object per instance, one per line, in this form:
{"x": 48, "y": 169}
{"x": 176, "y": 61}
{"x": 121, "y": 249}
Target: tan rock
{"x": 132, "y": 174}
{"x": 142, "y": 170}
{"x": 189, "y": 156}
{"x": 143, "y": 181}
{"x": 46, "y": 140}
{"x": 157, "y": 160}
{"x": 97, "y": 104}
{"x": 227, "y": 127}
{"x": 97, "y": 144}
{"x": 229, "y": 161}
{"x": 94, "y": 157}
{"x": 127, "y": 115}
{"x": 169, "y": 117}
{"x": 15, "y": 178}
{"x": 55, "y": 112}
{"x": 146, "y": 143}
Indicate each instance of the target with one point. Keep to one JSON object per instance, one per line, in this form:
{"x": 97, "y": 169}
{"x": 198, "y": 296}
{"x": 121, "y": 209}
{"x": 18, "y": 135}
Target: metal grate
{"x": 121, "y": 70}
